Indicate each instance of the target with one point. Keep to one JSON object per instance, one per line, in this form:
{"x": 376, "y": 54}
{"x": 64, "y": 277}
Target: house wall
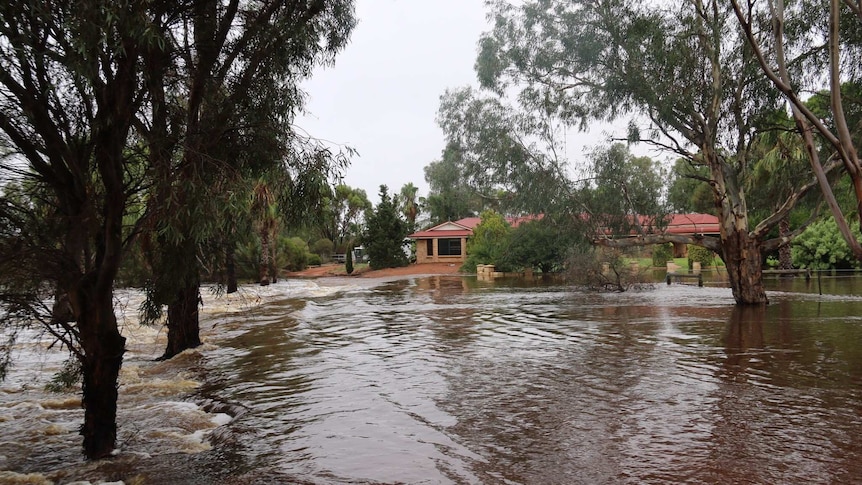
{"x": 423, "y": 257}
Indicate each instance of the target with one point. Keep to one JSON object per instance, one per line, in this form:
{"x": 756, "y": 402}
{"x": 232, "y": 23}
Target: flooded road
{"x": 452, "y": 380}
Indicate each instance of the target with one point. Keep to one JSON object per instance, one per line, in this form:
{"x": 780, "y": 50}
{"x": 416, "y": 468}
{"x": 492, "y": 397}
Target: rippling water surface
{"x": 452, "y": 380}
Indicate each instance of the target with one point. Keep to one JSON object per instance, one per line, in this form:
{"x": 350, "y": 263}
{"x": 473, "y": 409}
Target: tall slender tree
{"x": 70, "y": 90}
{"x": 242, "y": 62}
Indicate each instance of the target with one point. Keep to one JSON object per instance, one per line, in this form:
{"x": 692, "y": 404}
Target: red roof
{"x": 462, "y": 228}
{"x": 466, "y": 226}
{"x": 678, "y": 224}
{"x": 693, "y": 224}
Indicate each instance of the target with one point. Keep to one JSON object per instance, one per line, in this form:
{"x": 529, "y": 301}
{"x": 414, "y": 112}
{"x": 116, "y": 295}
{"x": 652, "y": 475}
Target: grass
{"x": 682, "y": 262}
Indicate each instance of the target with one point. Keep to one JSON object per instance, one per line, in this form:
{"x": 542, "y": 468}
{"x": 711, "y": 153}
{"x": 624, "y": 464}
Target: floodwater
{"x": 452, "y": 380}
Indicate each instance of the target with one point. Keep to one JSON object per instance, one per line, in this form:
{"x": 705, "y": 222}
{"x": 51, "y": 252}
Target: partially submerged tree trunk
{"x": 103, "y": 349}
{"x": 230, "y": 268}
{"x": 183, "y": 321}
{"x": 742, "y": 258}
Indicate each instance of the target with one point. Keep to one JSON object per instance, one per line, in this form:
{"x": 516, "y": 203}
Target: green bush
{"x": 295, "y": 252}
{"x": 821, "y": 246}
{"x": 699, "y": 254}
{"x": 661, "y": 254}
{"x": 314, "y": 259}
{"x": 489, "y": 242}
{"x": 323, "y": 247}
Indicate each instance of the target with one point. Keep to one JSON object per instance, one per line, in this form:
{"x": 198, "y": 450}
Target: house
{"x": 447, "y": 242}
{"x": 444, "y": 243}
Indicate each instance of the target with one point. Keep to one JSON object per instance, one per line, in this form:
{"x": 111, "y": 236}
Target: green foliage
{"x": 293, "y": 253}
{"x": 342, "y": 214}
{"x": 699, "y": 254}
{"x": 540, "y": 245}
{"x": 688, "y": 191}
{"x": 625, "y": 185}
{"x": 489, "y": 243}
{"x": 821, "y": 246}
{"x": 506, "y": 156}
{"x": 384, "y": 234}
{"x": 407, "y": 202}
{"x": 323, "y": 247}
{"x": 449, "y": 197}
{"x": 67, "y": 378}
{"x": 348, "y": 261}
{"x": 661, "y": 254}
{"x": 314, "y": 260}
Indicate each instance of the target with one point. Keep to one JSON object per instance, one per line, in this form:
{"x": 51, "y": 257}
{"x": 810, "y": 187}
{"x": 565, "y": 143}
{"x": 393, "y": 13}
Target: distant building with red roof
{"x": 447, "y": 242}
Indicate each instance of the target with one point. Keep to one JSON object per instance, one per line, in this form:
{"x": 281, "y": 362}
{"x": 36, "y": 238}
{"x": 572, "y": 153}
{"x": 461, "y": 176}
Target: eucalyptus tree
{"x": 623, "y": 192}
{"x": 682, "y": 69}
{"x": 69, "y": 90}
{"x": 507, "y": 158}
{"x": 342, "y": 213}
{"x": 688, "y": 188}
{"x": 241, "y": 64}
{"x": 449, "y": 197}
{"x": 788, "y": 44}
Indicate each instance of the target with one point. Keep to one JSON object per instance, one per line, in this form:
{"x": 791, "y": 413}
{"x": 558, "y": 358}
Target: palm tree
{"x": 408, "y": 204}
{"x": 263, "y": 211}
{"x": 783, "y": 161}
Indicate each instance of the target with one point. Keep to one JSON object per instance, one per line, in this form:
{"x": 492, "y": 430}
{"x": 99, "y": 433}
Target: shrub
{"x": 661, "y": 254}
{"x": 699, "y": 254}
{"x": 323, "y": 247}
{"x": 489, "y": 242}
{"x": 314, "y": 259}
{"x": 605, "y": 269}
{"x": 294, "y": 252}
{"x": 821, "y": 246}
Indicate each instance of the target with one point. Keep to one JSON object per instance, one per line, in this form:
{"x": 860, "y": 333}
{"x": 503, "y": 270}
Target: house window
{"x": 449, "y": 247}
{"x": 430, "y": 247}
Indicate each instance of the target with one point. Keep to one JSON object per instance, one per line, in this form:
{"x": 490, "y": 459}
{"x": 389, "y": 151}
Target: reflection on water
{"x": 454, "y": 380}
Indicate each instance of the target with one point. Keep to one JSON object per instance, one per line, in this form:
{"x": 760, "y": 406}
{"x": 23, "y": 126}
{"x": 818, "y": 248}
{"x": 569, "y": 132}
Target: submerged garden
{"x": 155, "y": 188}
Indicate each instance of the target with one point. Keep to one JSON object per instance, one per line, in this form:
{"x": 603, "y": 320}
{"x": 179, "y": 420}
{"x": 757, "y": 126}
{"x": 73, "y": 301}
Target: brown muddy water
{"x": 453, "y": 380}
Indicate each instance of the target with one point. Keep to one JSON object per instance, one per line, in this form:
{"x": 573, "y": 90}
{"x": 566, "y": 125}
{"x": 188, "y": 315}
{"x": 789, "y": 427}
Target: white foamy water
{"x": 154, "y": 413}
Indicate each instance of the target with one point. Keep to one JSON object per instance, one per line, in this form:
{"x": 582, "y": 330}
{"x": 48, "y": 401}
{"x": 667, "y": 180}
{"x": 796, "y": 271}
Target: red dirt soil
{"x": 411, "y": 270}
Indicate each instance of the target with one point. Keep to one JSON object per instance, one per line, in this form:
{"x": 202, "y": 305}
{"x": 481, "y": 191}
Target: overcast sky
{"x": 382, "y": 95}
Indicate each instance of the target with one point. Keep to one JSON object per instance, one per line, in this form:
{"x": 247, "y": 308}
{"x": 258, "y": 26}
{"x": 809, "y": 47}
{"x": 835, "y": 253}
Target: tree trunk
{"x": 230, "y": 268}
{"x": 264, "y": 258}
{"x": 785, "y": 259}
{"x": 183, "y": 322}
{"x": 273, "y": 260}
{"x": 103, "y": 349}
{"x": 742, "y": 259}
